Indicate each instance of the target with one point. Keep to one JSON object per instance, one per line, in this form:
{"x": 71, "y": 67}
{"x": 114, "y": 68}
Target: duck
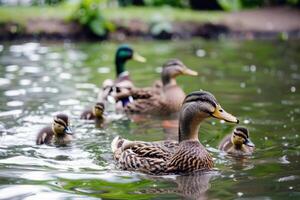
{"x": 237, "y": 143}
{"x": 96, "y": 113}
{"x": 187, "y": 155}
{"x": 123, "y": 54}
{"x": 164, "y": 97}
{"x": 59, "y": 133}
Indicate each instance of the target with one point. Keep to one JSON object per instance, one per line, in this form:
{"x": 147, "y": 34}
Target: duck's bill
{"x": 249, "y": 143}
{"x": 220, "y": 113}
{"x": 68, "y": 130}
{"x": 190, "y": 72}
{"x": 138, "y": 57}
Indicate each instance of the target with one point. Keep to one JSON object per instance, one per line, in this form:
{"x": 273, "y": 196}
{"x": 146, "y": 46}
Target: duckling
{"x": 174, "y": 157}
{"x": 123, "y": 54}
{"x": 96, "y": 113}
{"x": 58, "y": 133}
{"x": 165, "y": 97}
{"x": 237, "y": 143}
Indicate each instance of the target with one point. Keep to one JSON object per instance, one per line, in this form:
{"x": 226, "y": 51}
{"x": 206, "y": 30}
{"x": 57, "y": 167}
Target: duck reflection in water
{"x": 190, "y": 186}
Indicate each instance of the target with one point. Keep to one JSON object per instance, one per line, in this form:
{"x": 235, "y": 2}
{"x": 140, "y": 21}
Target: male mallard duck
{"x": 237, "y": 143}
{"x": 123, "y": 54}
{"x": 165, "y": 157}
{"x": 164, "y": 98}
{"x": 59, "y": 133}
{"x": 96, "y": 113}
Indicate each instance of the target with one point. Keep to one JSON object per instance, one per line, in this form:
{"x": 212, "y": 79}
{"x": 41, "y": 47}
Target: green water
{"x": 258, "y": 81}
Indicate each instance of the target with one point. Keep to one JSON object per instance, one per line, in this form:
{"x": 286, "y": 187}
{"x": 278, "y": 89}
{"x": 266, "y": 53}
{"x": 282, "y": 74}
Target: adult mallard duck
{"x": 183, "y": 156}
{"x": 96, "y": 113}
{"x": 237, "y": 143}
{"x": 58, "y": 133}
{"x": 165, "y": 97}
{"x": 123, "y": 54}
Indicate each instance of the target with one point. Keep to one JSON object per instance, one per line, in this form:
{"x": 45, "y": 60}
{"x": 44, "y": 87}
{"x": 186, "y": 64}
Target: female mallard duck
{"x": 237, "y": 143}
{"x": 165, "y": 157}
{"x": 164, "y": 98}
{"x": 123, "y": 54}
{"x": 59, "y": 133}
{"x": 96, "y": 113}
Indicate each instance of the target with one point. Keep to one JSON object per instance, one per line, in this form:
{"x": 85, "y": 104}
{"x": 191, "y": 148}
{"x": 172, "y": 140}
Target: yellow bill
{"x": 220, "y": 113}
{"x": 189, "y": 72}
{"x": 138, "y": 57}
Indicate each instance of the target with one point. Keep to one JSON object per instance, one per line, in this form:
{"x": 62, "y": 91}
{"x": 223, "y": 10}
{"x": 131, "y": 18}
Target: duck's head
{"x": 196, "y": 107}
{"x": 240, "y": 136}
{"x": 98, "y": 109}
{"x": 123, "y": 54}
{"x": 60, "y": 125}
{"x": 173, "y": 68}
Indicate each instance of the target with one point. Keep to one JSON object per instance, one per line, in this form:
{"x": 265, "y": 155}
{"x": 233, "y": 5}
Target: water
{"x": 258, "y": 81}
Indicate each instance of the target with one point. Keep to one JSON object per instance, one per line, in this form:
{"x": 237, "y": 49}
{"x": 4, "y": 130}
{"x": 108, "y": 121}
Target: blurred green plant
{"x": 89, "y": 14}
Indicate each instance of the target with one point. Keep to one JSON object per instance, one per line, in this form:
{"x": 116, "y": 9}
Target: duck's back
{"x": 191, "y": 156}
{"x": 45, "y": 136}
{"x": 226, "y": 143}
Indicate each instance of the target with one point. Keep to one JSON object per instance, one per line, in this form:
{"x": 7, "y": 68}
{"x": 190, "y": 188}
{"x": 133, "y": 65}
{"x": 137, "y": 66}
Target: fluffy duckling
{"x": 237, "y": 143}
{"x": 174, "y": 157}
{"x": 96, "y": 113}
{"x": 58, "y": 133}
{"x": 165, "y": 97}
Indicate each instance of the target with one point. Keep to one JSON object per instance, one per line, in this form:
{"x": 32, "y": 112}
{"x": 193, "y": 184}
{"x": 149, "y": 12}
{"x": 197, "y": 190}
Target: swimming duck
{"x": 58, "y": 133}
{"x": 237, "y": 143}
{"x": 168, "y": 157}
{"x": 123, "y": 54}
{"x": 96, "y": 113}
{"x": 165, "y": 97}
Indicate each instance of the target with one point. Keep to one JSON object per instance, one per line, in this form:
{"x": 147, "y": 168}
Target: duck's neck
{"x": 189, "y": 124}
{"x": 120, "y": 66}
{"x": 168, "y": 80}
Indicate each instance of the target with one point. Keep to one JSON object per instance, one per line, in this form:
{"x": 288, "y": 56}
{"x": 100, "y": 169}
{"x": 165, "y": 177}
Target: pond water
{"x": 258, "y": 81}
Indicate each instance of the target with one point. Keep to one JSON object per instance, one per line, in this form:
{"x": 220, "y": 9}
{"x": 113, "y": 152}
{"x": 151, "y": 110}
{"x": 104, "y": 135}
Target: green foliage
{"x": 231, "y": 5}
{"x": 89, "y": 14}
{"x": 173, "y": 3}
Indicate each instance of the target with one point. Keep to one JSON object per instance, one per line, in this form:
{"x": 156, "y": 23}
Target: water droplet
{"x": 284, "y": 126}
{"x": 293, "y": 89}
{"x": 11, "y": 93}
{"x": 200, "y": 53}
{"x": 242, "y": 85}
{"x": 65, "y": 76}
{"x": 283, "y": 137}
{"x": 291, "y": 187}
{"x": 25, "y": 82}
{"x": 46, "y": 79}
{"x": 103, "y": 70}
{"x": 253, "y": 68}
{"x": 4, "y": 81}
{"x": 258, "y": 91}
{"x": 158, "y": 70}
{"x": 231, "y": 176}
{"x": 246, "y": 121}
{"x": 12, "y": 68}
{"x": 14, "y": 103}
{"x": 266, "y": 138}
{"x": 240, "y": 194}
{"x": 1, "y": 47}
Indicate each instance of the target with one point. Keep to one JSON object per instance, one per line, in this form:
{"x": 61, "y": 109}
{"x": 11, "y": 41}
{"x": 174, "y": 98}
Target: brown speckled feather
{"x": 163, "y": 157}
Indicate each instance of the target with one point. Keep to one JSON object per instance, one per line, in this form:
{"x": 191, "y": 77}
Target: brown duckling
{"x": 165, "y": 97}
{"x": 168, "y": 157}
{"x": 58, "y": 133}
{"x": 96, "y": 113}
{"x": 237, "y": 143}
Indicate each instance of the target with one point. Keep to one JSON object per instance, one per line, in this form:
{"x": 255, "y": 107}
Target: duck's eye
{"x": 220, "y": 110}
